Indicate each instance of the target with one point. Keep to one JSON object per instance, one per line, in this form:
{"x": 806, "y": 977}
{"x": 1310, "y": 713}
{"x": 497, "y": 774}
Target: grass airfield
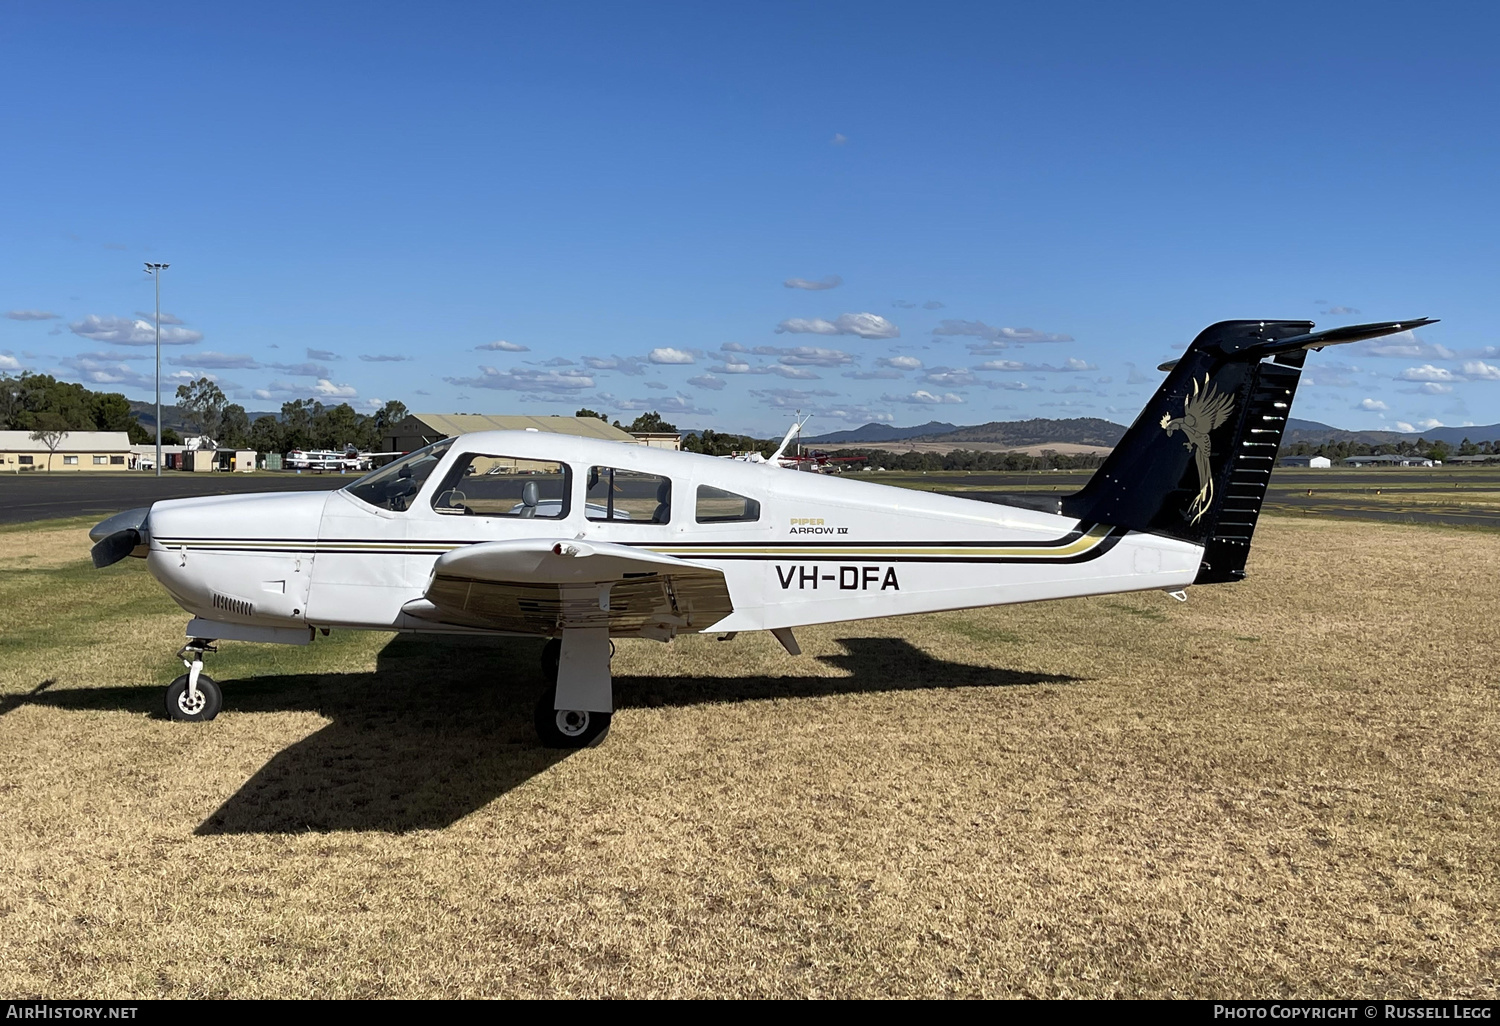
{"x": 1285, "y": 787}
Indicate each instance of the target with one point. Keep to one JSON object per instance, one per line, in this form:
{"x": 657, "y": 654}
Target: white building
{"x": 1315, "y": 462}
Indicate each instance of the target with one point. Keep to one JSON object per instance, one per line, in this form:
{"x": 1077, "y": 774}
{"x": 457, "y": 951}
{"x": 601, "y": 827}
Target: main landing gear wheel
{"x": 567, "y": 728}
{"x": 188, "y": 708}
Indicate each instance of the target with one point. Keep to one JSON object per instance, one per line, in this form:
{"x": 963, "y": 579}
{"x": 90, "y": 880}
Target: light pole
{"x": 155, "y": 271}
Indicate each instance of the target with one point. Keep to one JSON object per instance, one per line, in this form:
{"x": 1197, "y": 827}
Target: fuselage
{"x": 794, "y": 548}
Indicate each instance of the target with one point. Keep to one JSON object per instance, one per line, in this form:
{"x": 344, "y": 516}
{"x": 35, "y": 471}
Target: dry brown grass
{"x": 1284, "y": 787}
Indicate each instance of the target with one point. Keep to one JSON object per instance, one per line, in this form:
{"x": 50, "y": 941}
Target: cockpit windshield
{"x": 394, "y": 485}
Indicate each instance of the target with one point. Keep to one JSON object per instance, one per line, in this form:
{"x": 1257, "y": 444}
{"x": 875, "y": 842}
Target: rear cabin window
{"x": 716, "y": 506}
{"x": 483, "y": 485}
{"x": 627, "y": 495}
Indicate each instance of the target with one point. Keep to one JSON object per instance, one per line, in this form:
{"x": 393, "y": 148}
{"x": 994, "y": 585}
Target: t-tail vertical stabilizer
{"x": 1196, "y": 462}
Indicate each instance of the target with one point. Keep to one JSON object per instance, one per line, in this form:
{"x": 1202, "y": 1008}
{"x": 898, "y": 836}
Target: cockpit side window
{"x": 504, "y": 486}
{"x": 716, "y": 506}
{"x": 394, "y": 485}
{"x": 615, "y": 494}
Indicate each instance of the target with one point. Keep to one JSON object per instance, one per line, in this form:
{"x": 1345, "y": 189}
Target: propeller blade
{"x": 130, "y": 518}
{"x": 115, "y": 547}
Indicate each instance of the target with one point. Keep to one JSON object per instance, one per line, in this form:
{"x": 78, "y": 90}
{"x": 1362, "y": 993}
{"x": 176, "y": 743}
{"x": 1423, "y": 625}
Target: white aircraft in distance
{"x": 581, "y": 541}
{"x": 333, "y": 459}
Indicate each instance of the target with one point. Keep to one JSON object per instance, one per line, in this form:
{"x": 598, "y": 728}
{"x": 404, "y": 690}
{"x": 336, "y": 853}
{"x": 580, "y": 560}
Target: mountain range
{"x": 1093, "y": 431}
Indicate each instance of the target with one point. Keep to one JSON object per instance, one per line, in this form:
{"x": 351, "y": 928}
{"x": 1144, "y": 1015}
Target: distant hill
{"x": 145, "y": 415}
{"x": 1315, "y": 433}
{"x": 880, "y": 433}
{"x": 1037, "y": 431}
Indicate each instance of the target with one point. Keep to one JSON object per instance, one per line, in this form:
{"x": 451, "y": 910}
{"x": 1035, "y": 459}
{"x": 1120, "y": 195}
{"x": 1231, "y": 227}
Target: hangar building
{"x": 78, "y": 450}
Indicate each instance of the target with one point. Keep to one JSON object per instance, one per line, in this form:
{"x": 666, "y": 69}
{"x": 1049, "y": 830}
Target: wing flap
{"x": 541, "y": 586}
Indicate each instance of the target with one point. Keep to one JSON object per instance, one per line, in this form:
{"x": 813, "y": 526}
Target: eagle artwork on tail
{"x": 1202, "y": 411}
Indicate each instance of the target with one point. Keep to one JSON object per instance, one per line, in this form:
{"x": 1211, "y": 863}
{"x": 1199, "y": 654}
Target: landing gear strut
{"x": 194, "y": 697}
{"x": 575, "y": 709}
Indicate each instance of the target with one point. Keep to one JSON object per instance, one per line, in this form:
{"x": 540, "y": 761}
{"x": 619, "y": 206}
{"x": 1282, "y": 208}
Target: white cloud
{"x": 874, "y": 375}
{"x": 839, "y": 139}
{"x": 831, "y": 281}
{"x": 324, "y": 387}
{"x": 1371, "y": 405}
{"x": 1478, "y": 370}
{"x": 660, "y": 386}
{"x": 9, "y": 363}
{"x": 904, "y": 363}
{"x": 1427, "y": 372}
{"x": 502, "y": 346}
{"x": 1342, "y": 311}
{"x": 300, "y": 370}
{"x": 865, "y": 325}
{"x": 107, "y": 372}
{"x": 216, "y": 361}
{"x": 933, "y": 304}
{"x": 707, "y": 381}
{"x": 1404, "y": 427}
{"x": 632, "y": 366}
{"x": 122, "y": 331}
{"x": 733, "y": 347}
{"x": 31, "y": 315}
{"x": 321, "y": 354}
{"x": 1429, "y": 424}
{"x": 998, "y": 338}
{"x": 674, "y": 404}
{"x": 1071, "y": 365}
{"x": 383, "y": 358}
{"x": 952, "y": 377}
{"x": 524, "y": 379}
{"x": 806, "y": 356}
{"x": 667, "y": 354}
{"x": 922, "y": 397}
{"x": 1407, "y": 346}
{"x": 792, "y": 398}
{"x": 1428, "y": 388}
{"x": 166, "y": 318}
{"x": 731, "y": 367}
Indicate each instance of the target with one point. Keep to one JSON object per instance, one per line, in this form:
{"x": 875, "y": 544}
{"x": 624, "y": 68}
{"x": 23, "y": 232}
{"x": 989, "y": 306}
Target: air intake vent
{"x": 233, "y": 605}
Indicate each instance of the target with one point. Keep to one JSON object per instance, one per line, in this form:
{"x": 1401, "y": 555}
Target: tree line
{"x": 39, "y": 402}
{"x": 1436, "y": 450}
{"x": 303, "y": 424}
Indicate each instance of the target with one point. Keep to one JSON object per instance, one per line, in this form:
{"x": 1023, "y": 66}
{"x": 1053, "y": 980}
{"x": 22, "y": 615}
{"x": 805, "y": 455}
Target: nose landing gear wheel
{"x": 183, "y": 707}
{"x": 567, "y": 728}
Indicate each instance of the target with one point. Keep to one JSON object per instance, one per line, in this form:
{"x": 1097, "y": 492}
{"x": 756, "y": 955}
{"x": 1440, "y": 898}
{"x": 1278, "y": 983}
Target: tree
{"x": 586, "y": 412}
{"x": 265, "y": 435}
{"x": 1439, "y": 451}
{"x": 111, "y": 411}
{"x": 50, "y": 429}
{"x": 296, "y": 423}
{"x": 169, "y": 436}
{"x": 202, "y": 406}
{"x": 651, "y": 423}
{"x": 234, "y": 426}
{"x": 334, "y": 427}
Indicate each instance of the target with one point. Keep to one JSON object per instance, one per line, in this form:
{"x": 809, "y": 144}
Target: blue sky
{"x": 897, "y": 212}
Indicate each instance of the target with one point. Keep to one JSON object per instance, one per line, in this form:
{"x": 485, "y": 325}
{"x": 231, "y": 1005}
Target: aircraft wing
{"x": 541, "y": 586}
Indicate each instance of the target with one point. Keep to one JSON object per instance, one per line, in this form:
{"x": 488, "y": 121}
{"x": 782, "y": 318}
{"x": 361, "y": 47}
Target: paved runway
{"x": 43, "y": 496}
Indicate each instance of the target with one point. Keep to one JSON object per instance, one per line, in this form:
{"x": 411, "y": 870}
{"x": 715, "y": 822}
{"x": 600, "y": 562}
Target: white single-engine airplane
{"x": 581, "y": 541}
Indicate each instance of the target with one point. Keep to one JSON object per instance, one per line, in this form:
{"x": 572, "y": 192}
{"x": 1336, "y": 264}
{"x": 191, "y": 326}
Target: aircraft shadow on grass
{"x": 443, "y": 727}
